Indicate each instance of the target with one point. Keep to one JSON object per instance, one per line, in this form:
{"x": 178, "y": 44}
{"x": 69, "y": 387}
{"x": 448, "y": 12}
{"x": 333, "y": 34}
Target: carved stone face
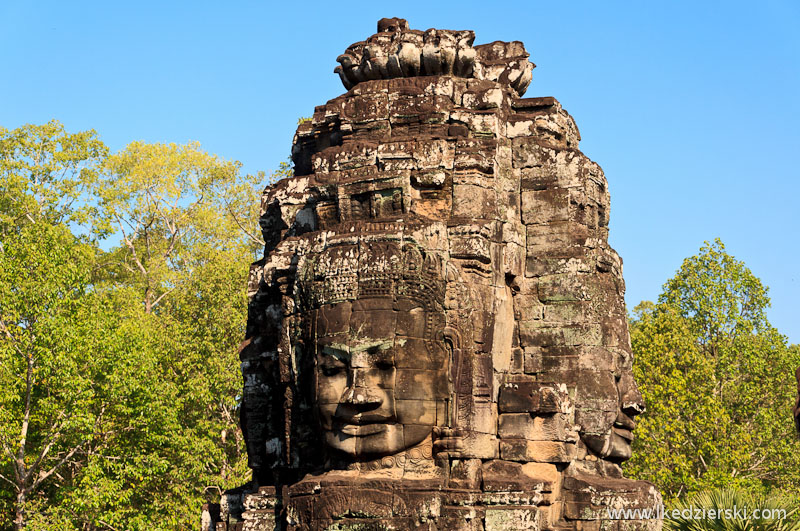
{"x": 380, "y": 377}
{"x": 612, "y": 432}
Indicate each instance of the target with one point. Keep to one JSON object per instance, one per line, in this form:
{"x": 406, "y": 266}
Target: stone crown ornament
{"x": 384, "y": 269}
{"x": 397, "y": 51}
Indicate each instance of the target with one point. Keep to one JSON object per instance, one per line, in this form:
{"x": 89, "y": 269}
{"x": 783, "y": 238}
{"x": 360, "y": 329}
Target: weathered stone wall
{"x": 433, "y": 167}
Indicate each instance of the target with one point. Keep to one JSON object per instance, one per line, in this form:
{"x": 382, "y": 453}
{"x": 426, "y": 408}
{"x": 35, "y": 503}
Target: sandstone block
{"x": 522, "y": 394}
{"x": 532, "y": 428}
{"x": 545, "y": 206}
{"x": 537, "y": 451}
{"x": 539, "y": 334}
{"x": 505, "y": 518}
{"x": 474, "y": 202}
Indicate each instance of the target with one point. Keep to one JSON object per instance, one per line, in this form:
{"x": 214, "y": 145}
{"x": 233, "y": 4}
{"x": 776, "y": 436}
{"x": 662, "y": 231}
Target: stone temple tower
{"x": 437, "y": 336}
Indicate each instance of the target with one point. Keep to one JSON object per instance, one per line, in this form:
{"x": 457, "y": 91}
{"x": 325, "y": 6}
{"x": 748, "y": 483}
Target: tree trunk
{"x": 19, "y": 521}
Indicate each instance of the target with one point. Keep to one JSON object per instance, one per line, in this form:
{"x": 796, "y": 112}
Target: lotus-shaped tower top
{"x": 397, "y": 51}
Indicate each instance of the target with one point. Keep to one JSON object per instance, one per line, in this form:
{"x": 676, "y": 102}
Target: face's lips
{"x": 362, "y": 424}
{"x": 624, "y": 421}
{"x": 363, "y": 418}
{"x": 361, "y": 430}
{"x": 624, "y": 426}
{"x": 624, "y": 433}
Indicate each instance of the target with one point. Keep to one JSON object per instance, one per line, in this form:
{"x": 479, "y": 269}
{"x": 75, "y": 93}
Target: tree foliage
{"x": 51, "y": 397}
{"x": 45, "y": 173}
{"x": 172, "y": 206}
{"x": 119, "y": 373}
{"x": 718, "y": 382}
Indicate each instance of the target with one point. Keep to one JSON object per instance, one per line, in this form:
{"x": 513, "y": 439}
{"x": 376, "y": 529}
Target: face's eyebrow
{"x": 337, "y": 351}
{"x": 329, "y": 339}
{"x": 379, "y": 345}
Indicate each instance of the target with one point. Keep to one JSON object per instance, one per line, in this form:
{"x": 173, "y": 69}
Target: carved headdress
{"x": 374, "y": 268}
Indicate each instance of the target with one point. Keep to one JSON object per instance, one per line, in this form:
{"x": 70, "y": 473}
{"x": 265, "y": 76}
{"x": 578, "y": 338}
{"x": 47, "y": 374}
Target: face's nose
{"x": 630, "y": 399}
{"x": 359, "y": 393}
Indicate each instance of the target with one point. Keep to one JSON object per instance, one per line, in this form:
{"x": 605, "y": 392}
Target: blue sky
{"x": 691, "y": 108}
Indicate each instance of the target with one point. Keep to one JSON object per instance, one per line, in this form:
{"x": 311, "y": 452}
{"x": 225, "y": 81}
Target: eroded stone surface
{"x": 437, "y": 336}
{"x": 397, "y": 51}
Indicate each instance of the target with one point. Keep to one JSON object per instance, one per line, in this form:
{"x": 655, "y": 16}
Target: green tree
{"x": 52, "y": 405}
{"x": 717, "y": 380}
{"x": 120, "y": 376}
{"x": 119, "y": 379}
{"x": 166, "y": 202}
{"x": 49, "y": 406}
{"x": 188, "y": 225}
{"x": 45, "y": 173}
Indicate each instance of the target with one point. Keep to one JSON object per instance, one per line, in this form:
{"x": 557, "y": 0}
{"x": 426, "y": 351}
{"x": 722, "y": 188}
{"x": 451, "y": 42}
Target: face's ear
{"x": 452, "y": 343}
{"x": 452, "y": 339}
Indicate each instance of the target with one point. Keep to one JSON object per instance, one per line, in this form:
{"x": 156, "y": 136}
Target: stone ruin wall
{"x": 444, "y": 154}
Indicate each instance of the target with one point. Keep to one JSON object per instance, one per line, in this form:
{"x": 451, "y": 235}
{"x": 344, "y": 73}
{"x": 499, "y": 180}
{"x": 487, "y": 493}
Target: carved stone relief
{"x": 437, "y": 335}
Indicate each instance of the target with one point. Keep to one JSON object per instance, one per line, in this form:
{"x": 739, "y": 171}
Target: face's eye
{"x": 331, "y": 370}
{"x": 384, "y": 365}
{"x": 331, "y": 360}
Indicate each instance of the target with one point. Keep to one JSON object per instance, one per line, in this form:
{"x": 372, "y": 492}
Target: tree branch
{"x": 130, "y": 246}
{"x": 236, "y": 220}
{"x": 55, "y": 434}
{"x": 158, "y": 299}
{"x": 111, "y": 527}
{"x": 43, "y": 476}
{"x": 20, "y": 461}
{"x": 13, "y": 484}
{"x": 170, "y": 226}
{"x": 172, "y": 241}
{"x": 8, "y": 334}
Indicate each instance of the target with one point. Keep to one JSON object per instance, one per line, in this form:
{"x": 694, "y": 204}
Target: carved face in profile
{"x": 380, "y": 374}
{"x": 609, "y": 433}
